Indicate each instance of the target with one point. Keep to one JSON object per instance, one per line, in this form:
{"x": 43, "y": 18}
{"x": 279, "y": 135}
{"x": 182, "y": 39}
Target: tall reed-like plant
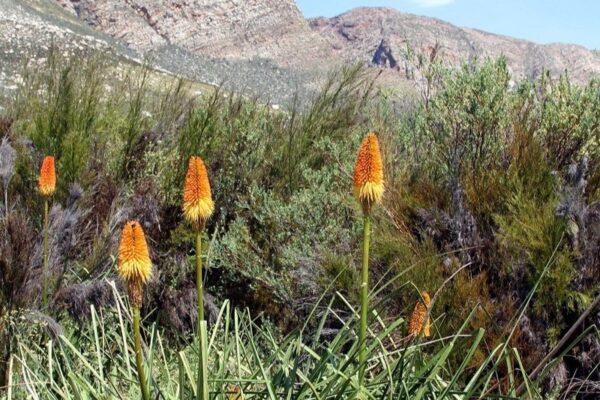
{"x": 47, "y": 187}
{"x": 135, "y": 268}
{"x": 368, "y": 190}
{"x": 198, "y": 206}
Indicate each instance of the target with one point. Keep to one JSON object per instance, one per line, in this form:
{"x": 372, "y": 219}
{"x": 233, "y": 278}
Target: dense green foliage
{"x": 491, "y": 204}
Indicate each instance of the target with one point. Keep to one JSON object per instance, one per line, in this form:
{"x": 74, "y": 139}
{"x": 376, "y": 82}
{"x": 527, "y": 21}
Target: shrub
{"x": 490, "y": 186}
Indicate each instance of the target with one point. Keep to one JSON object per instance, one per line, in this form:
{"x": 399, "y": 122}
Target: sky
{"x": 542, "y": 21}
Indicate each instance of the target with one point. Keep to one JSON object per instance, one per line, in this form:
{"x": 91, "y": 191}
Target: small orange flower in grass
{"x": 368, "y": 172}
{"x": 198, "y": 205}
{"x": 134, "y": 260}
{"x": 418, "y": 320}
{"x": 47, "y": 180}
{"x": 234, "y": 392}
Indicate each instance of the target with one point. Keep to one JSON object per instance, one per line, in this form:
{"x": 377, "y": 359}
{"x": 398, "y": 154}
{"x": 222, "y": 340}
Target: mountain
{"x": 275, "y": 30}
{"x": 381, "y": 36}
{"x": 29, "y": 28}
{"x": 264, "y": 48}
{"x": 233, "y": 29}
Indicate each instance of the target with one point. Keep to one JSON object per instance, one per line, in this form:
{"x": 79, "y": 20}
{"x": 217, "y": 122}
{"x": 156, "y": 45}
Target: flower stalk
{"x": 198, "y": 206}
{"x": 46, "y": 187}
{"x": 368, "y": 190}
{"x": 135, "y": 268}
{"x": 364, "y": 296}
{"x": 45, "y": 257}
{"x": 199, "y": 280}
{"x": 139, "y": 357}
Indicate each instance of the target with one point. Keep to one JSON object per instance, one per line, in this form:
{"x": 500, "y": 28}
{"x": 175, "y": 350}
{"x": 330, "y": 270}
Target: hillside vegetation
{"x": 491, "y": 206}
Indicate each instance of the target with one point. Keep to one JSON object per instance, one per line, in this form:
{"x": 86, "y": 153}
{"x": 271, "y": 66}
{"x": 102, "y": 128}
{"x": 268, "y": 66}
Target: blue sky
{"x": 542, "y": 21}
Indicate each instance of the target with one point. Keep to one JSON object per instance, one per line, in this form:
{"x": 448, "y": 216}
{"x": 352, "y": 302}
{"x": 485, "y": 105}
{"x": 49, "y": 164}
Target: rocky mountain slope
{"x": 275, "y": 30}
{"x": 381, "y": 36}
{"x": 28, "y": 28}
{"x": 233, "y": 29}
{"x": 261, "y": 47}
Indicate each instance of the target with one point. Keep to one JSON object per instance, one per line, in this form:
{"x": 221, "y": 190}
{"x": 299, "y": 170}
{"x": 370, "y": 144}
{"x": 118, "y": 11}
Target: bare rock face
{"x": 383, "y": 56}
{"x": 383, "y": 35}
{"x": 225, "y": 29}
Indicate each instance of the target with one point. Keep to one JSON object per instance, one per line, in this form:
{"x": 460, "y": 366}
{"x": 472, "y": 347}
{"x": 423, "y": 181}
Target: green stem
{"x": 139, "y": 358}
{"x": 364, "y": 299}
{"x": 202, "y": 393}
{"x": 45, "y": 257}
{"x": 199, "y": 280}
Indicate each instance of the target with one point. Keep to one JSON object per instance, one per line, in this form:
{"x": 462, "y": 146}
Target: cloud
{"x": 432, "y": 3}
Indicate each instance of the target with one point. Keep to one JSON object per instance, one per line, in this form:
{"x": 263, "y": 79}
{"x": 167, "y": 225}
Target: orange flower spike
{"x": 368, "y": 172}
{"x": 418, "y": 322}
{"x": 47, "y": 179}
{"x": 198, "y": 204}
{"x": 134, "y": 260}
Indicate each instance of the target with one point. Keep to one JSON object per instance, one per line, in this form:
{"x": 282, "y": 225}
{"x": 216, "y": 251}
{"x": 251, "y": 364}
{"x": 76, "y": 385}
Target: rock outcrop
{"x": 232, "y": 29}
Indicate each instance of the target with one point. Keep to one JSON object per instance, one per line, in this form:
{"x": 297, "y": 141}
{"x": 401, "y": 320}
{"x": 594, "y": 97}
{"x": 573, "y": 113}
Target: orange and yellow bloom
{"x": 419, "y": 322}
{"x": 368, "y": 172}
{"x": 198, "y": 204}
{"x": 135, "y": 268}
{"x": 134, "y": 259}
{"x": 47, "y": 179}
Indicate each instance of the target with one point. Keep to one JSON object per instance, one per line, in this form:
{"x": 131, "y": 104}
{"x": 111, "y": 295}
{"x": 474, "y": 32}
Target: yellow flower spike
{"x": 198, "y": 204}
{"x": 368, "y": 173}
{"x": 47, "y": 179}
{"x": 418, "y": 320}
{"x": 134, "y": 262}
